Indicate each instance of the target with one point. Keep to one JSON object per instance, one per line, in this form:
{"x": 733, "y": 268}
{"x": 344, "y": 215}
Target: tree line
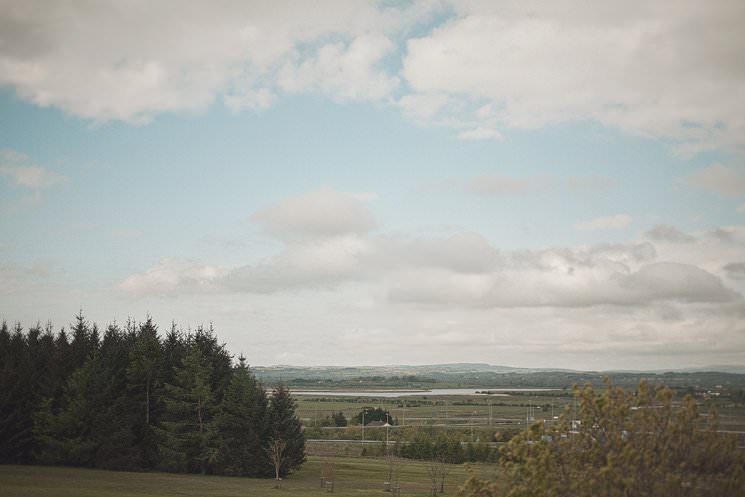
{"x": 127, "y": 398}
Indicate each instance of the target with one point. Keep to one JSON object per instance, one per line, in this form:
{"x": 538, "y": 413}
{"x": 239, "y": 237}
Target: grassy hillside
{"x": 358, "y": 477}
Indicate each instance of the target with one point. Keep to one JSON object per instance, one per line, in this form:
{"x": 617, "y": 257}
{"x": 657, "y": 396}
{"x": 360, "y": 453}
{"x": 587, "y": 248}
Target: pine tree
{"x": 173, "y": 351}
{"x": 93, "y": 423}
{"x": 16, "y": 397}
{"x": 241, "y": 424}
{"x": 283, "y": 425}
{"x": 144, "y": 368}
{"x": 218, "y": 358}
{"x": 121, "y": 446}
{"x": 67, "y": 434}
{"x": 44, "y": 356}
{"x": 63, "y": 364}
{"x": 143, "y": 388}
{"x": 82, "y": 345}
{"x": 189, "y": 441}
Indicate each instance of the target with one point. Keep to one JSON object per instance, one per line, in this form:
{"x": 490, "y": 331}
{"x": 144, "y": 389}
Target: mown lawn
{"x": 359, "y": 477}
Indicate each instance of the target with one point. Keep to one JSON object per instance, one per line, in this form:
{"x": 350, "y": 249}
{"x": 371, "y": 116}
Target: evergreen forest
{"x": 131, "y": 398}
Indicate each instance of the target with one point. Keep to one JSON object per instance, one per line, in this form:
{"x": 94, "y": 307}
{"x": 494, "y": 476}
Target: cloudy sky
{"x": 547, "y": 184}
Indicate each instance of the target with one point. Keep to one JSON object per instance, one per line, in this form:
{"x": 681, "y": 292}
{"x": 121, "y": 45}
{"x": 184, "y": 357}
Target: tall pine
{"x": 68, "y": 435}
{"x": 283, "y": 424}
{"x": 144, "y": 385}
{"x": 242, "y": 424}
{"x": 121, "y": 446}
{"x": 16, "y": 396}
{"x": 188, "y": 436}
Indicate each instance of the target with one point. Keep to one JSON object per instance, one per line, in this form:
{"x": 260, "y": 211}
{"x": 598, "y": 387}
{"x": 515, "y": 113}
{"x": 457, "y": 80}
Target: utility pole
{"x": 387, "y": 425}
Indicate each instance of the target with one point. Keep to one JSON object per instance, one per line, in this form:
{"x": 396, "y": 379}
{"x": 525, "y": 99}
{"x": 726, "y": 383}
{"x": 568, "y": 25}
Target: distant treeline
{"x": 484, "y": 380}
{"x": 130, "y": 399}
{"x": 447, "y": 449}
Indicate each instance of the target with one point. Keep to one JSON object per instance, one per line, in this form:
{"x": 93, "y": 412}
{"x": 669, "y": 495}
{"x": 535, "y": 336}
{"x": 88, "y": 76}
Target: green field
{"x": 466, "y": 418}
{"x": 466, "y": 414}
{"x": 359, "y": 477}
{"x": 425, "y": 410}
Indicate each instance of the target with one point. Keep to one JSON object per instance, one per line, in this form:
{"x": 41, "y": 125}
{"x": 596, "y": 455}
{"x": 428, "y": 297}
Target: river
{"x": 497, "y": 392}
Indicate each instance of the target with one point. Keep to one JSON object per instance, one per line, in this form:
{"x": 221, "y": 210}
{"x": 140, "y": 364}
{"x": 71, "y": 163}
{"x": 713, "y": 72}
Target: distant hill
{"x": 488, "y": 375}
{"x": 472, "y": 367}
{"x": 719, "y": 369}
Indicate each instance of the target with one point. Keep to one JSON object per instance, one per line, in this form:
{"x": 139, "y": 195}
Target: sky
{"x": 533, "y": 184}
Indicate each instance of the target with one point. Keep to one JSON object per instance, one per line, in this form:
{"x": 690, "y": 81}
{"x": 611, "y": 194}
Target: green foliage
{"x": 441, "y": 447}
{"x": 480, "y": 452}
{"x": 242, "y": 425}
{"x": 144, "y": 365}
{"x": 621, "y": 443}
{"x": 339, "y": 419}
{"x": 370, "y": 414}
{"x": 335, "y": 419}
{"x": 188, "y": 435}
{"x": 130, "y": 400}
{"x": 69, "y": 435}
{"x": 144, "y": 375}
{"x": 283, "y": 425}
{"x": 16, "y": 400}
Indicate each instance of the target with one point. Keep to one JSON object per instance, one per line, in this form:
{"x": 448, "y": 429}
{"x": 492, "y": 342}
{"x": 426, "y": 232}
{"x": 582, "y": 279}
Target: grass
{"x": 358, "y": 477}
{"x": 446, "y": 410}
{"x": 507, "y": 412}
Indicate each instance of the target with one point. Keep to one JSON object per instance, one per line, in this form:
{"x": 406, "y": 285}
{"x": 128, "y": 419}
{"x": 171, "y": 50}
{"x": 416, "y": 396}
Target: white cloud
{"x": 599, "y": 338}
{"x": 173, "y": 277}
{"x": 318, "y": 214}
{"x": 26, "y": 174}
{"x": 423, "y": 106}
{"x": 468, "y": 253}
{"x": 602, "y": 306}
{"x": 741, "y": 208}
{"x": 676, "y": 297}
{"x": 735, "y": 270}
{"x": 115, "y": 62}
{"x": 343, "y": 71}
{"x": 249, "y": 98}
{"x": 310, "y": 264}
{"x": 480, "y": 133}
{"x": 326, "y": 243}
{"x": 33, "y": 177}
{"x": 710, "y": 250}
{"x": 606, "y": 223}
{"x": 636, "y": 68}
{"x": 666, "y": 233}
{"x": 719, "y": 179}
{"x": 467, "y": 271}
{"x": 488, "y": 67}
{"x": 601, "y": 275}
{"x": 327, "y": 263}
